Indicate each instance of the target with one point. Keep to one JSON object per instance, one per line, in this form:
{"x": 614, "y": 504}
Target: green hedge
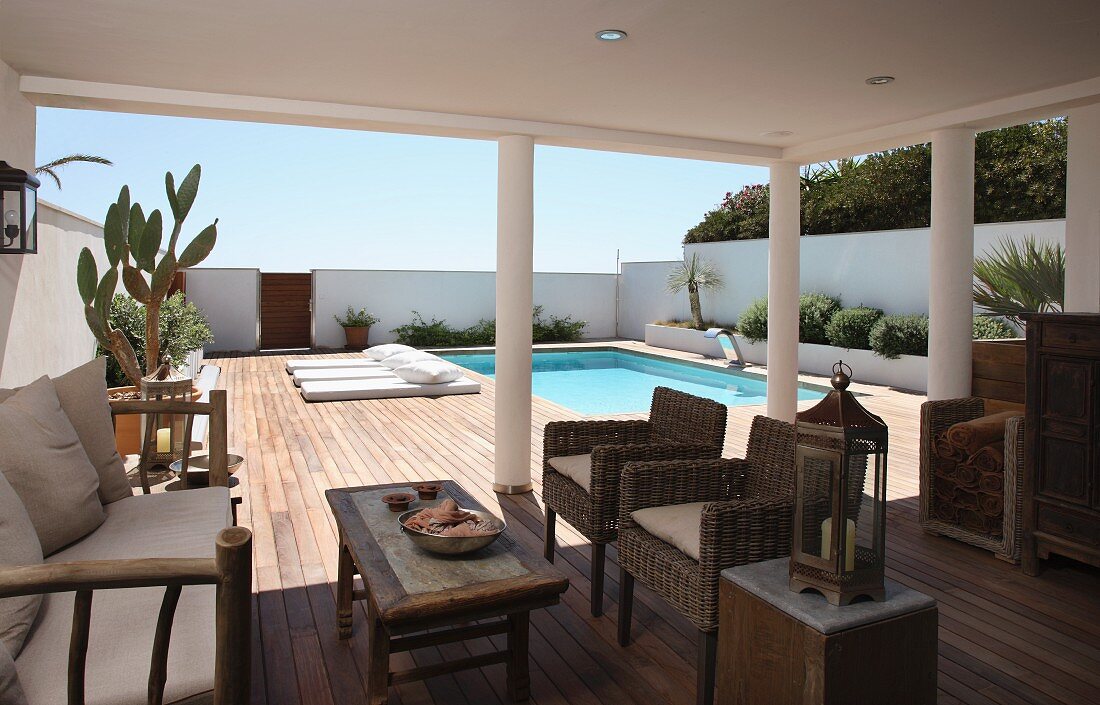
{"x": 436, "y": 333}
{"x": 987, "y": 328}
{"x": 894, "y": 336}
{"x": 851, "y": 327}
{"x": 815, "y": 311}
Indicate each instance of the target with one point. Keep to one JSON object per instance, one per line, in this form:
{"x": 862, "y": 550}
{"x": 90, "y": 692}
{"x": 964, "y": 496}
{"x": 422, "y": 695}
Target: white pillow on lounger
{"x": 381, "y": 352}
{"x": 429, "y": 372}
{"x": 402, "y": 359}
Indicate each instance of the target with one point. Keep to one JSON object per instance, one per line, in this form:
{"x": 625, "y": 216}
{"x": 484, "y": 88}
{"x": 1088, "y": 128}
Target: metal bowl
{"x": 198, "y": 467}
{"x": 452, "y": 545}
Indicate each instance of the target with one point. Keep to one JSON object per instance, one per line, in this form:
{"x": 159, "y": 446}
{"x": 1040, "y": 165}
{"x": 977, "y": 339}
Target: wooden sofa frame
{"x": 230, "y": 570}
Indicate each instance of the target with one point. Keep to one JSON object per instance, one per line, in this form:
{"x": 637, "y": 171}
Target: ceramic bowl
{"x": 452, "y": 545}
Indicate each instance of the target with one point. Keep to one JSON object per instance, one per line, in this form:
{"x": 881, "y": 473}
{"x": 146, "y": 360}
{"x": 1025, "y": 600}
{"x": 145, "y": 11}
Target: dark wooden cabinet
{"x": 1061, "y": 499}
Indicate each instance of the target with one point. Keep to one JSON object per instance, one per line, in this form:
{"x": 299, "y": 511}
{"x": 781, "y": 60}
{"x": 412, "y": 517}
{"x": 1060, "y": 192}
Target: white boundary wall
{"x": 229, "y": 298}
{"x": 459, "y": 298}
{"x": 887, "y": 270}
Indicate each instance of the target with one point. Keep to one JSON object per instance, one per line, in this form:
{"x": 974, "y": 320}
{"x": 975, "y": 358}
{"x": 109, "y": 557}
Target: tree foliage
{"x": 1020, "y": 174}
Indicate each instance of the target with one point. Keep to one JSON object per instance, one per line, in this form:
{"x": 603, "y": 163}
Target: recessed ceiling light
{"x": 777, "y": 133}
{"x": 610, "y": 35}
{"x": 879, "y": 80}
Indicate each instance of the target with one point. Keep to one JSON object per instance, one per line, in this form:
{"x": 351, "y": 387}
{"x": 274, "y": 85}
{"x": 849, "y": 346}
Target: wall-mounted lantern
{"x": 839, "y": 543}
{"x": 18, "y": 211}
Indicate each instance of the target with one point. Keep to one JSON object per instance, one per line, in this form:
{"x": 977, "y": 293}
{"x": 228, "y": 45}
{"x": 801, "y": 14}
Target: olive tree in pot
{"x": 356, "y": 326}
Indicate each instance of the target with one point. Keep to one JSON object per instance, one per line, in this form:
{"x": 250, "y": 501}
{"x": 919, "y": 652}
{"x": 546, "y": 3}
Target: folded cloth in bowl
{"x": 972, "y": 436}
{"x": 989, "y": 459}
{"x": 448, "y": 520}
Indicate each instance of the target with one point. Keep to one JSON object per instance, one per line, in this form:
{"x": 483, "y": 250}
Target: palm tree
{"x": 694, "y": 274}
{"x": 50, "y": 168}
{"x": 1016, "y": 278}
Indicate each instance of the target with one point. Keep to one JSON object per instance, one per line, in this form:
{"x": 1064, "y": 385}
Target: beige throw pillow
{"x": 11, "y": 691}
{"x": 41, "y": 456}
{"x": 83, "y": 396}
{"x": 18, "y": 546}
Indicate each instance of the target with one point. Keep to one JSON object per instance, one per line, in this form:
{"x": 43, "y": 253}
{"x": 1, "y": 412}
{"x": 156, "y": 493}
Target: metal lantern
{"x": 839, "y": 543}
{"x": 18, "y": 211}
{"x": 165, "y": 434}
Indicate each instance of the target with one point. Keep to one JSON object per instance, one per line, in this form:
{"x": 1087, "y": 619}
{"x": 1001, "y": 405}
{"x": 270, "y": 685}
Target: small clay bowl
{"x": 428, "y": 490}
{"x": 398, "y": 501}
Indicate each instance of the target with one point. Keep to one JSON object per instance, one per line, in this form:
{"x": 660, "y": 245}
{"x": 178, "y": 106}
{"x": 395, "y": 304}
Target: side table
{"x": 785, "y": 648}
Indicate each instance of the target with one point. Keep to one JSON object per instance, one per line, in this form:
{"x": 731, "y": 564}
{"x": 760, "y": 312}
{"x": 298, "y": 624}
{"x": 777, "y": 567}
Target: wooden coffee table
{"x": 410, "y": 590}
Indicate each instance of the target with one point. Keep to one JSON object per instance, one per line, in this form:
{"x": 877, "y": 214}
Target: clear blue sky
{"x": 299, "y": 198}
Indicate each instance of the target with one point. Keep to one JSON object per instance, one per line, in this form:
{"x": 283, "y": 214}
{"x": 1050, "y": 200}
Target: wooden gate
{"x": 285, "y": 310}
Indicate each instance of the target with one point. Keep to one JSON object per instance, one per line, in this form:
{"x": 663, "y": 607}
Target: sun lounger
{"x": 325, "y": 374}
{"x": 383, "y": 388}
{"x": 330, "y": 362}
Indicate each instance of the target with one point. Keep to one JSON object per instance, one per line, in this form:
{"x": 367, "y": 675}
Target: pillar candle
{"x": 850, "y": 544}
{"x": 164, "y": 440}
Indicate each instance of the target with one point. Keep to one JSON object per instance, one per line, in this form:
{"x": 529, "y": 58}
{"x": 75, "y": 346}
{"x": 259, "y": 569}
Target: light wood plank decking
{"x": 1004, "y": 637}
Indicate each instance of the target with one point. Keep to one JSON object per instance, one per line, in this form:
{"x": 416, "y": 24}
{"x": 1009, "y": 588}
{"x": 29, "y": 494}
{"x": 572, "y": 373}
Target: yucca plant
{"x": 1020, "y": 277}
{"x": 695, "y": 275}
{"x": 129, "y": 234}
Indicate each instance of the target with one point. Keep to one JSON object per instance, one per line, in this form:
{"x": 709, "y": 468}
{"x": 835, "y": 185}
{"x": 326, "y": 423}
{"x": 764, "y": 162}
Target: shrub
{"x": 894, "y": 336}
{"x": 851, "y": 327}
{"x": 183, "y": 328}
{"x": 754, "y": 321}
{"x": 556, "y": 330}
{"x": 436, "y": 333}
{"x": 986, "y": 328}
{"x": 814, "y": 313}
{"x": 356, "y": 319}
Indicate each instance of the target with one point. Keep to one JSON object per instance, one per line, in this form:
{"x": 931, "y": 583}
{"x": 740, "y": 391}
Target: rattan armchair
{"x": 680, "y": 427}
{"x": 747, "y": 518}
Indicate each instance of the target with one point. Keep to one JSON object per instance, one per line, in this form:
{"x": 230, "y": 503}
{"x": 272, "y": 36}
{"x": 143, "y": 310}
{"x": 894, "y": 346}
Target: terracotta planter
{"x": 356, "y": 337}
{"x": 128, "y": 437}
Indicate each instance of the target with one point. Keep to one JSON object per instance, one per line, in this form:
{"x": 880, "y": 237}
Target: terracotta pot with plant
{"x": 133, "y": 243}
{"x": 356, "y": 326}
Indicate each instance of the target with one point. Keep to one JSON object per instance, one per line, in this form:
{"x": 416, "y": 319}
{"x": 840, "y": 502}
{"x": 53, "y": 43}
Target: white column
{"x": 1083, "y": 211}
{"x": 784, "y": 229}
{"x": 515, "y": 266}
{"x": 951, "y": 264}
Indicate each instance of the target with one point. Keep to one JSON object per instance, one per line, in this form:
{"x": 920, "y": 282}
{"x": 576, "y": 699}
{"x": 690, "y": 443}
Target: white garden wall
{"x": 460, "y": 298}
{"x": 229, "y": 298}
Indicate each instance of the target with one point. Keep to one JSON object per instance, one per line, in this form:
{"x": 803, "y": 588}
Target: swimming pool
{"x": 596, "y": 382}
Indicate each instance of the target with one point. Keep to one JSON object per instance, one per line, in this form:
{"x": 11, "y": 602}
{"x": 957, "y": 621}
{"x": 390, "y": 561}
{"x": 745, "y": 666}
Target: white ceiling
{"x": 728, "y": 70}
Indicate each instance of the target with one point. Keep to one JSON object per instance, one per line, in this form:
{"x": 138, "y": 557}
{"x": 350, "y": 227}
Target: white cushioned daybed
{"x": 384, "y": 388}
{"x": 404, "y": 372}
{"x": 338, "y": 373}
{"x": 372, "y": 357}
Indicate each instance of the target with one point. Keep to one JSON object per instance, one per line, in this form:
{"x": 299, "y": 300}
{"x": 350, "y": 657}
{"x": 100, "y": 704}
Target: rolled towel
{"x": 948, "y": 451}
{"x": 976, "y": 521}
{"x": 945, "y": 511}
{"x": 992, "y": 482}
{"x": 944, "y": 489}
{"x": 990, "y": 458}
{"x": 991, "y": 505}
{"x": 971, "y": 436}
{"x": 966, "y": 499}
{"x": 945, "y": 468}
{"x": 967, "y": 475}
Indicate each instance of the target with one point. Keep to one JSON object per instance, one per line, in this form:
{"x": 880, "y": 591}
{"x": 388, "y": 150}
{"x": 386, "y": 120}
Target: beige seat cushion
{"x": 83, "y": 396}
{"x": 42, "y": 458}
{"x": 11, "y": 690}
{"x": 577, "y": 468}
{"x": 676, "y": 524}
{"x": 19, "y": 546}
{"x": 167, "y": 525}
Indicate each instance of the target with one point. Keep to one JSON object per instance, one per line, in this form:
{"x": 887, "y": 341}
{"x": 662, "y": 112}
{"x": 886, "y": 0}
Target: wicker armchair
{"x": 746, "y": 518}
{"x": 680, "y": 427}
{"x": 935, "y": 418}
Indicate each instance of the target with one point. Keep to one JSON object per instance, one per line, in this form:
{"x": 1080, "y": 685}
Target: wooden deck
{"x": 1004, "y": 637}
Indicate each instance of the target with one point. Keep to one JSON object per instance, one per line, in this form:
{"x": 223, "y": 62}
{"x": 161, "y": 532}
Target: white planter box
{"x": 906, "y": 372}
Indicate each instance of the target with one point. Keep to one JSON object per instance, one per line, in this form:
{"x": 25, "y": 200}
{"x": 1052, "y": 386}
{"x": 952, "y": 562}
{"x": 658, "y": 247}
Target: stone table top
{"x": 769, "y": 582}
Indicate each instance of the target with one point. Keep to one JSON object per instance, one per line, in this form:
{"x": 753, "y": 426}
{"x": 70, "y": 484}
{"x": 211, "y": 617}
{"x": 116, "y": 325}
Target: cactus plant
{"x": 132, "y": 242}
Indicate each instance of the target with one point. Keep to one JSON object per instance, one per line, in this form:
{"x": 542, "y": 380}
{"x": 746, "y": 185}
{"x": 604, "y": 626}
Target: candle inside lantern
{"x": 164, "y": 440}
{"x": 849, "y": 546}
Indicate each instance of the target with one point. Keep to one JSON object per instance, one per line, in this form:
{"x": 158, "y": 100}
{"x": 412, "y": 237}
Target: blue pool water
{"x": 600, "y": 382}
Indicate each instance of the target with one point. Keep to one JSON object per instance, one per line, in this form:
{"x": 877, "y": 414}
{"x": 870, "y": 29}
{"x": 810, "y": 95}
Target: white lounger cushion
{"x": 381, "y": 352}
{"x": 348, "y": 390}
{"x": 402, "y": 359}
{"x": 429, "y": 372}
{"x": 293, "y": 366}
{"x": 336, "y": 373}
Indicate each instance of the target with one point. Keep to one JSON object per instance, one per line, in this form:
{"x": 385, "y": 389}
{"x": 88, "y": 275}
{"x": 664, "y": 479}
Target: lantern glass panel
{"x": 12, "y": 211}
{"x": 860, "y": 510}
{"x": 30, "y": 219}
{"x": 818, "y": 469}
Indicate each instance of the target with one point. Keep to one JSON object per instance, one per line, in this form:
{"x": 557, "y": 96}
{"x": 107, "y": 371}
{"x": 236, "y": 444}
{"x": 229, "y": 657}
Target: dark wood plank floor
{"x": 1004, "y": 637}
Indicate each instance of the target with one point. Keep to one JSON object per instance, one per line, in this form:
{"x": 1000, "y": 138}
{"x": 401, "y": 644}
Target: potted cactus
{"x": 356, "y": 326}
{"x": 133, "y": 243}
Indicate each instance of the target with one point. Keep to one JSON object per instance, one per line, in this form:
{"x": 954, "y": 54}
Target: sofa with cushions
{"x": 73, "y": 535}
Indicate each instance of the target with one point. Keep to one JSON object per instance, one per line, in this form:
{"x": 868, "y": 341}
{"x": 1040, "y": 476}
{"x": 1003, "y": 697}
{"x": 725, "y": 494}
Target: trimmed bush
{"x": 894, "y": 336}
{"x": 436, "y": 333}
{"x": 986, "y": 328}
{"x": 851, "y": 327}
{"x": 183, "y": 328}
{"x": 754, "y": 321}
{"x": 814, "y": 313}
